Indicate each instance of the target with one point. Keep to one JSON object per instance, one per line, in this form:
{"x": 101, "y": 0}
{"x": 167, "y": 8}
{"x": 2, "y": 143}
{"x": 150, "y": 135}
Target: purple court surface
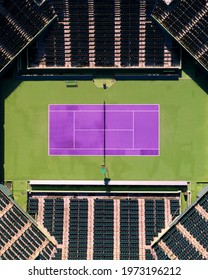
{"x": 104, "y": 129}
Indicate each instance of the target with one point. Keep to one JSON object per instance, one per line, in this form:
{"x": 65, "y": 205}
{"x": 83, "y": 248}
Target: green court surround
{"x": 183, "y": 131}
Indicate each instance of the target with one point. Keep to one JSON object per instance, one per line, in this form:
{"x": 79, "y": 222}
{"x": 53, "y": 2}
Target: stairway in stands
{"x": 67, "y": 35}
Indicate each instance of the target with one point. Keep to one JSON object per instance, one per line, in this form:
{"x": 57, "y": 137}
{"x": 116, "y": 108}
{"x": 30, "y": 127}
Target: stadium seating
{"x": 149, "y": 255}
{"x": 54, "y": 46}
{"x": 19, "y": 235}
{"x": 185, "y": 250}
{"x": 154, "y": 217}
{"x": 79, "y": 37}
{"x": 121, "y": 228}
{"x": 160, "y": 253}
{"x": 196, "y": 225}
{"x": 33, "y": 206}
{"x": 174, "y": 208}
{"x": 20, "y": 22}
{"x": 129, "y": 230}
{"x": 108, "y": 33}
{"x": 103, "y": 229}
{"x": 58, "y": 254}
{"x": 78, "y": 229}
{"x": 104, "y": 32}
{"x": 46, "y": 253}
{"x": 187, "y": 237}
{"x": 130, "y": 28}
{"x": 53, "y": 217}
{"x": 187, "y": 22}
{"x": 204, "y": 202}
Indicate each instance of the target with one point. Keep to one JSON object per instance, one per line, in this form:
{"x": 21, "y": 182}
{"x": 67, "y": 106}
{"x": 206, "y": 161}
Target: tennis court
{"x": 104, "y": 129}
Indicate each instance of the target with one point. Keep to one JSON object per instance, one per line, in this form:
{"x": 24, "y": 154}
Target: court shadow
{"x": 107, "y": 181}
{"x": 107, "y": 185}
{"x": 195, "y": 71}
{"x": 7, "y": 86}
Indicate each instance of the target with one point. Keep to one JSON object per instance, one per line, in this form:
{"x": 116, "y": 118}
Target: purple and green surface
{"x": 97, "y": 130}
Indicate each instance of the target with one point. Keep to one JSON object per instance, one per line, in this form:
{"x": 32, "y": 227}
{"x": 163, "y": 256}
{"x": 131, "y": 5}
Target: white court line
{"x": 112, "y": 182}
{"x": 100, "y": 155}
{"x": 110, "y": 110}
{"x": 102, "y": 129}
{"x": 98, "y": 104}
{"x": 48, "y": 130}
{"x": 159, "y": 129}
{"x": 133, "y": 129}
{"x": 91, "y": 149}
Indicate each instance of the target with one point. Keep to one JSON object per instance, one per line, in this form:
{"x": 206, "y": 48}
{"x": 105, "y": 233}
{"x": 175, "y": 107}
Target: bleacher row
{"x": 119, "y": 33}
{"x": 20, "y": 238}
{"x": 154, "y": 217}
{"x": 77, "y": 230}
{"x": 130, "y": 29}
{"x": 129, "y": 230}
{"x": 104, "y": 15}
{"x": 187, "y": 22}
{"x": 53, "y": 220}
{"x": 105, "y": 220}
{"x": 102, "y": 227}
{"x": 20, "y": 22}
{"x": 187, "y": 238}
{"x": 98, "y": 33}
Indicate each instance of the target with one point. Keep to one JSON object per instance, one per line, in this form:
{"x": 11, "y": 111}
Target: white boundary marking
{"x": 97, "y": 104}
{"x": 95, "y": 111}
{"x": 110, "y": 110}
{"x": 133, "y": 131}
{"x": 91, "y": 149}
{"x": 106, "y": 129}
{"x": 74, "y": 132}
{"x": 100, "y": 182}
{"x": 158, "y": 130}
{"x": 114, "y": 155}
{"x": 49, "y": 149}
